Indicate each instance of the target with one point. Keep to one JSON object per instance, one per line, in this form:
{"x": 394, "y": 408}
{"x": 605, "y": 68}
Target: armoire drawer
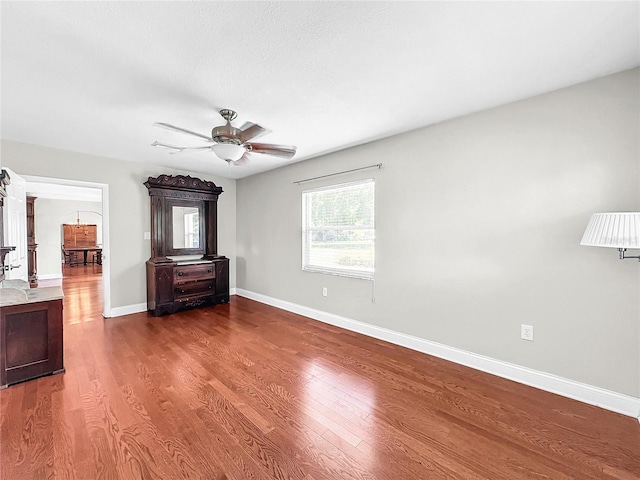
{"x": 185, "y": 273}
{"x": 194, "y": 289}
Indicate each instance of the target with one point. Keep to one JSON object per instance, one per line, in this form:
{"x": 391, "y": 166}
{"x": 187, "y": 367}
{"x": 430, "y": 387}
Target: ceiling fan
{"x": 229, "y": 143}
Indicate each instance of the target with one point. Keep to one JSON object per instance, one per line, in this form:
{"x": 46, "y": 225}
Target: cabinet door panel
{"x": 222, "y": 276}
{"x": 164, "y": 284}
{"x": 27, "y": 338}
{"x": 30, "y": 341}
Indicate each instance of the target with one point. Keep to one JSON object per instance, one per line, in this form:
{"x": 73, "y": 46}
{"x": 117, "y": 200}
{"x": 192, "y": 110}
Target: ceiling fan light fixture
{"x": 229, "y": 152}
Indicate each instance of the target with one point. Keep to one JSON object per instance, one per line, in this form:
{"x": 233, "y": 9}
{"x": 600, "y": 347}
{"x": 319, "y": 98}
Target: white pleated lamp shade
{"x": 615, "y": 230}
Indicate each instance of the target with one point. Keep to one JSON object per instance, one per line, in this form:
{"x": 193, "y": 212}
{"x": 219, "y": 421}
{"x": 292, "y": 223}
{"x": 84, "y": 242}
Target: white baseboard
{"x": 597, "y": 396}
{"x": 140, "y": 307}
{"x": 128, "y": 310}
{"x": 50, "y": 276}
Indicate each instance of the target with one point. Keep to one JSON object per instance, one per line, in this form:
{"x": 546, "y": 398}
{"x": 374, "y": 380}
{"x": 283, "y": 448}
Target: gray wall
{"x": 478, "y": 224}
{"x": 51, "y": 214}
{"x": 128, "y": 208}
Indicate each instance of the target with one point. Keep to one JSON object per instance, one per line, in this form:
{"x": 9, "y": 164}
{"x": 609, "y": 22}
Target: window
{"x": 191, "y": 229}
{"x": 338, "y": 232}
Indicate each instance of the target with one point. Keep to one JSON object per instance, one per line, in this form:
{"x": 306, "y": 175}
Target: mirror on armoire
{"x": 186, "y": 227}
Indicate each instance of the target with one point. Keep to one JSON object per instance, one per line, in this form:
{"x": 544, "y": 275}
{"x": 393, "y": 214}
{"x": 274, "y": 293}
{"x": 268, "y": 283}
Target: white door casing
{"x": 106, "y": 245}
{"x": 15, "y": 227}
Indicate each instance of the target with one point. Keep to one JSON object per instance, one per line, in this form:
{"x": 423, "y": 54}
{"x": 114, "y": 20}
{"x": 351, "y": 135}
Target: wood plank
{"x": 247, "y": 391}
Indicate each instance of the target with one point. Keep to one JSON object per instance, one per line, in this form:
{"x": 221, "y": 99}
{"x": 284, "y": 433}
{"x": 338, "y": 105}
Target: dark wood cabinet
{"x": 185, "y": 269}
{"x": 173, "y": 286}
{"x": 32, "y": 246}
{"x": 30, "y": 341}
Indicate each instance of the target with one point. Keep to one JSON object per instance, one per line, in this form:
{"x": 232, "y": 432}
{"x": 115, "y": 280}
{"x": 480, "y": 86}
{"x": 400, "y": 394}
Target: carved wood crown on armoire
{"x": 185, "y": 269}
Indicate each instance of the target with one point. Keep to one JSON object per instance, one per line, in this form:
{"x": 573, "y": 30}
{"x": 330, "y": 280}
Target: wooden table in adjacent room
{"x": 85, "y": 251}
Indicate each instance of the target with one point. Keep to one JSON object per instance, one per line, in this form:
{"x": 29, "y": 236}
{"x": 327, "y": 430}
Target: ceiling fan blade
{"x": 165, "y": 145}
{"x": 190, "y": 149}
{"x": 182, "y": 130}
{"x": 243, "y": 160}
{"x": 251, "y": 130}
{"x": 284, "y": 151}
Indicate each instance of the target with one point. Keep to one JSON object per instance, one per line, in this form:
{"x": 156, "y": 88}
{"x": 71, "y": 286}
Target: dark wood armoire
{"x": 185, "y": 269}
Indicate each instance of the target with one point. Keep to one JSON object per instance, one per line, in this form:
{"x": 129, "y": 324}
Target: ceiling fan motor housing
{"x": 226, "y": 134}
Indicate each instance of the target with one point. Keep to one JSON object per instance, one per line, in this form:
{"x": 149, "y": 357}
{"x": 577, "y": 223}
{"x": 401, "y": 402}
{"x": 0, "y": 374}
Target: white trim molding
{"x": 139, "y": 307}
{"x": 597, "y": 396}
{"x": 127, "y": 310}
{"x": 50, "y": 276}
{"x": 106, "y": 241}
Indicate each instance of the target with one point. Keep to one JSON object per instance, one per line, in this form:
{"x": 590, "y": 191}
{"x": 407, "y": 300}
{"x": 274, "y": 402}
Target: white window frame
{"x": 308, "y": 231}
{"x": 190, "y": 237}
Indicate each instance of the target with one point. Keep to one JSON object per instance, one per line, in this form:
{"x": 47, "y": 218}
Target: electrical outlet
{"x": 324, "y": 291}
{"x": 526, "y": 332}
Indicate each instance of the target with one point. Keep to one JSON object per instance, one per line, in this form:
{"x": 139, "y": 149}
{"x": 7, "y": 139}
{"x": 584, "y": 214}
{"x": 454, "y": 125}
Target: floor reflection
{"x": 82, "y": 287}
{"x": 341, "y": 407}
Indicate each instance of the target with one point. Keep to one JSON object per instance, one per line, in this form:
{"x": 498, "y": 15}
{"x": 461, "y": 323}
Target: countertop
{"x": 20, "y": 284}
{"x": 19, "y": 296}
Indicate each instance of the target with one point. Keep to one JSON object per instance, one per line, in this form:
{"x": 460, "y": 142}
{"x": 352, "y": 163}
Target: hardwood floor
{"x": 246, "y": 391}
{"x": 82, "y": 286}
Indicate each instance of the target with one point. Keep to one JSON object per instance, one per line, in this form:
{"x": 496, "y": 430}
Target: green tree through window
{"x": 338, "y": 231}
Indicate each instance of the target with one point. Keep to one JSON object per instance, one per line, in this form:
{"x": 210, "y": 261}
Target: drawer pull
{"x": 210, "y": 287}
{"x": 209, "y": 271}
{"x": 181, "y": 291}
{"x": 180, "y": 274}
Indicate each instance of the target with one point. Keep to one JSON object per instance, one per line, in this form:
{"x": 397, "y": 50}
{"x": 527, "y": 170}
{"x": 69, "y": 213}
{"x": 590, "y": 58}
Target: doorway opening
{"x": 82, "y": 268}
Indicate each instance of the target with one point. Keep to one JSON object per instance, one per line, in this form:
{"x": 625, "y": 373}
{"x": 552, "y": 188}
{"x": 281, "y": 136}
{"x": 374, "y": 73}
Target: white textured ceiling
{"x": 94, "y": 76}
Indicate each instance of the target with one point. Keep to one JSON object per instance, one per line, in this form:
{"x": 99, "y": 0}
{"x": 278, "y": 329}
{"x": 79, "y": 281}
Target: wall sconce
{"x": 614, "y": 230}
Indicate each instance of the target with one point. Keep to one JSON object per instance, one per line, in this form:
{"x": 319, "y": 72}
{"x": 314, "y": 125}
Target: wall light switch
{"x": 147, "y": 235}
{"x": 324, "y": 291}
